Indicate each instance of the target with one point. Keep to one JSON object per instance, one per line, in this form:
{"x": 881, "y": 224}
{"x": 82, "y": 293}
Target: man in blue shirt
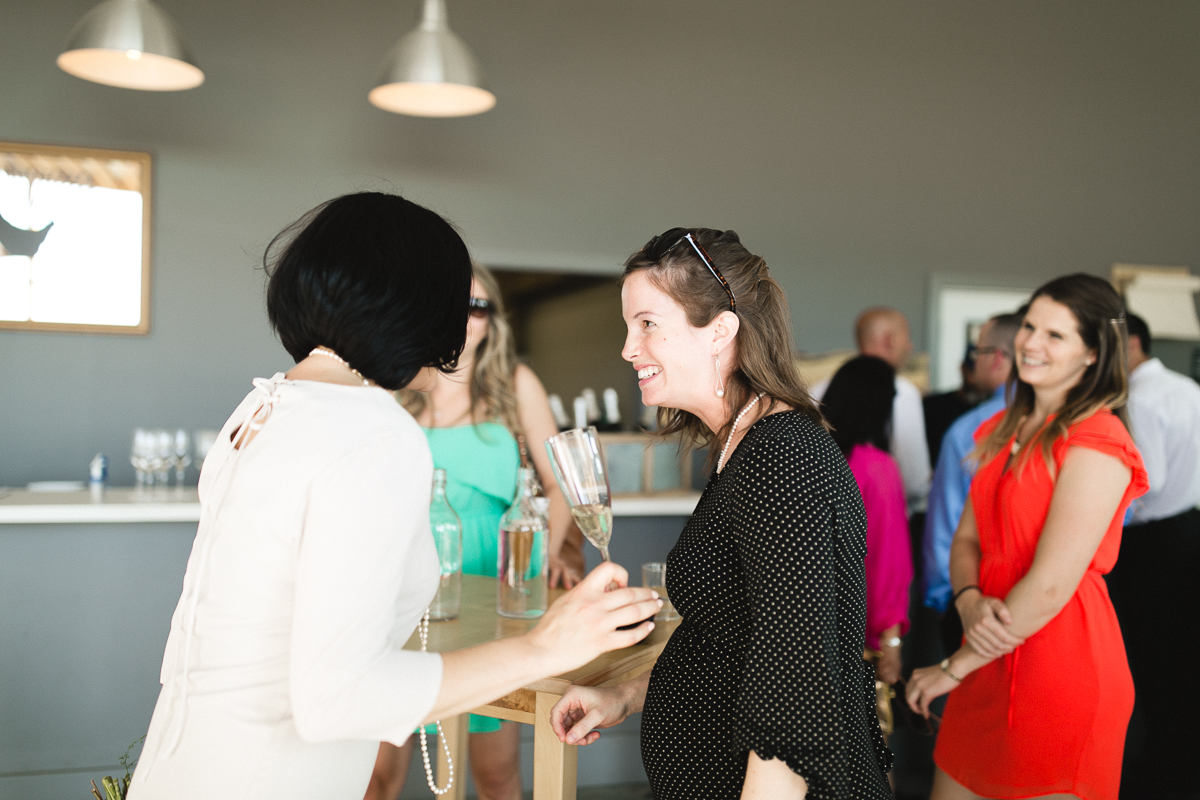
{"x": 952, "y": 476}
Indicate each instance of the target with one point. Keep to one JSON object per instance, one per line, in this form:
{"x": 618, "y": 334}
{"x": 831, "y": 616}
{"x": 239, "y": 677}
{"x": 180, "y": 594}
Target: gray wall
{"x": 859, "y": 146}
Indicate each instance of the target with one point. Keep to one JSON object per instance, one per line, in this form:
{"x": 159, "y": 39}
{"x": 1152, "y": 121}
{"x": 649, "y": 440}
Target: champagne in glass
{"x": 580, "y": 471}
{"x": 595, "y": 520}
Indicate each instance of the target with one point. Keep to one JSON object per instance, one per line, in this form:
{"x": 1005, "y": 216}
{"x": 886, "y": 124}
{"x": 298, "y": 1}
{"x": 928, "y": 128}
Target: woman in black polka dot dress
{"x": 762, "y": 690}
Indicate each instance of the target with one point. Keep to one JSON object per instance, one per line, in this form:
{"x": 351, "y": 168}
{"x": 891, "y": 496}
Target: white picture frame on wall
{"x": 957, "y": 308}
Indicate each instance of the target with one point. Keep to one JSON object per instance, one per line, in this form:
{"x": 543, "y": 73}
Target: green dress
{"x": 481, "y": 463}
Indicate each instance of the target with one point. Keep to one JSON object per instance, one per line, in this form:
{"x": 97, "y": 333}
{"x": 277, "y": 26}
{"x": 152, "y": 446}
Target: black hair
{"x": 858, "y": 403}
{"x": 381, "y": 281}
{"x": 1138, "y": 327}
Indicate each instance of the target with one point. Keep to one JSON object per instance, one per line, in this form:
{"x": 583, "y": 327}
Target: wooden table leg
{"x": 456, "y": 730}
{"x": 554, "y": 763}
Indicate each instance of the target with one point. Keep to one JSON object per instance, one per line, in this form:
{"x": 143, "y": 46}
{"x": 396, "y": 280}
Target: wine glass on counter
{"x": 204, "y": 438}
{"x": 163, "y": 455}
{"x": 179, "y": 456}
{"x": 579, "y": 468}
{"x": 141, "y": 454}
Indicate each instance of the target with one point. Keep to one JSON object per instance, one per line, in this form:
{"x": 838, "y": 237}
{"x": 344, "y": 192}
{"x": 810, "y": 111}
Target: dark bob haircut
{"x": 858, "y": 403}
{"x": 381, "y": 281}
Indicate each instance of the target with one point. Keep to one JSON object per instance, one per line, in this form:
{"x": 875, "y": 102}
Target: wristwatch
{"x": 892, "y": 642}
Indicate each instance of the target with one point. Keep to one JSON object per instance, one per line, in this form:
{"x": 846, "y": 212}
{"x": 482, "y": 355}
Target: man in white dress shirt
{"x": 1153, "y": 583}
{"x": 884, "y": 332}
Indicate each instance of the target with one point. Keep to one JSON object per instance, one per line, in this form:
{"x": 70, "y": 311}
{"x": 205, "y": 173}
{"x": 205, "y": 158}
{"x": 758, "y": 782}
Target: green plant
{"x": 115, "y": 789}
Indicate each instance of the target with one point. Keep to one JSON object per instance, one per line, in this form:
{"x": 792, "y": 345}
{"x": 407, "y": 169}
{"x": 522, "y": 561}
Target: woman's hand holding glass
{"x": 584, "y": 622}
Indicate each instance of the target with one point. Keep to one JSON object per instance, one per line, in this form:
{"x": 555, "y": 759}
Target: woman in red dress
{"x": 1041, "y": 692}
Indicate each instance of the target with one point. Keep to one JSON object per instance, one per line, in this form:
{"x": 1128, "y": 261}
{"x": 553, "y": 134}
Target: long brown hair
{"x": 493, "y": 374}
{"x": 763, "y": 350}
{"x": 1100, "y": 317}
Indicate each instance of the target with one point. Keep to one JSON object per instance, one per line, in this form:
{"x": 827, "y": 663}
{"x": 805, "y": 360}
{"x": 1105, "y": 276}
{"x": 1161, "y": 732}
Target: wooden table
{"x": 554, "y": 763}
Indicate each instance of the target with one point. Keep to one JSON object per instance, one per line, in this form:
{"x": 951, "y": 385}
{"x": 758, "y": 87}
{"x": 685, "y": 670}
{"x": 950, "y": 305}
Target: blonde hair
{"x": 763, "y": 351}
{"x": 492, "y": 384}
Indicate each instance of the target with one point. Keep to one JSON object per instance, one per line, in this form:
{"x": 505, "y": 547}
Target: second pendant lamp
{"x": 431, "y": 72}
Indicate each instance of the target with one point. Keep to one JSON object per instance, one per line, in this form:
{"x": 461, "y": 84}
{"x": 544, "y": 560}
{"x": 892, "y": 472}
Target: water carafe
{"x": 447, "y": 535}
{"x": 523, "y": 563}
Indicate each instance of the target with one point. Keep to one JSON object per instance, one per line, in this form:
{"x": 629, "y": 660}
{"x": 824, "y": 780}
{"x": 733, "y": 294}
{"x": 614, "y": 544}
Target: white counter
{"x": 18, "y": 506}
{"x": 171, "y": 505}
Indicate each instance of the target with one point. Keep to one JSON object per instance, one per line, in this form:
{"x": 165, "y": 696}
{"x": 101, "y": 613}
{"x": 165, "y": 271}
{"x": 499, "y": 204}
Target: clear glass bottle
{"x": 522, "y": 568}
{"x": 540, "y": 501}
{"x": 447, "y": 535}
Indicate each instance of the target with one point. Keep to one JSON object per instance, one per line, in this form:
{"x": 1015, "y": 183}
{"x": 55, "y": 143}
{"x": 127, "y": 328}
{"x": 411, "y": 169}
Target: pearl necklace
{"x": 325, "y": 351}
{"x": 733, "y": 430}
{"x": 423, "y": 632}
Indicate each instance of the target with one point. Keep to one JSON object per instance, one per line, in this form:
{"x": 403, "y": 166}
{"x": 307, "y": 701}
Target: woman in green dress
{"x": 477, "y": 420}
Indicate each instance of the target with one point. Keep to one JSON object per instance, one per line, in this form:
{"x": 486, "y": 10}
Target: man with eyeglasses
{"x": 952, "y": 475}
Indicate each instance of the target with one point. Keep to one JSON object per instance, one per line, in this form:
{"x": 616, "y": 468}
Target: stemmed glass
{"x": 163, "y": 454}
{"x": 180, "y": 458}
{"x": 140, "y": 455}
{"x": 579, "y": 468}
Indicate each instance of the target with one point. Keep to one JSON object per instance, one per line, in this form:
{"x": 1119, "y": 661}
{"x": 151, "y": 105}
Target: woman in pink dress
{"x": 858, "y": 404}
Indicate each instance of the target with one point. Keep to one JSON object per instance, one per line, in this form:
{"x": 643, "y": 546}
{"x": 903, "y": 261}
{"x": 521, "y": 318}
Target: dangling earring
{"x": 720, "y": 384}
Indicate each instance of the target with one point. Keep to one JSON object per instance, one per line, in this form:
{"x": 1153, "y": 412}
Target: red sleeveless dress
{"x": 1050, "y": 716}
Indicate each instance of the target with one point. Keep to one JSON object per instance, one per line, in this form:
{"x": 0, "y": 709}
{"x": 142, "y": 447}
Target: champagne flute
{"x": 140, "y": 456}
{"x": 579, "y": 469}
{"x": 181, "y": 458}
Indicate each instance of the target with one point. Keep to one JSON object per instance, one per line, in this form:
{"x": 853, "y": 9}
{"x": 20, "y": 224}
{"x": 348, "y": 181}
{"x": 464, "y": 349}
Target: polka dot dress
{"x": 768, "y": 574}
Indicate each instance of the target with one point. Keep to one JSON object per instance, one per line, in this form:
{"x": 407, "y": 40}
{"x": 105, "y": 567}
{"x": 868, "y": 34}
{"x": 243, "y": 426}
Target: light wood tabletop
{"x": 554, "y": 763}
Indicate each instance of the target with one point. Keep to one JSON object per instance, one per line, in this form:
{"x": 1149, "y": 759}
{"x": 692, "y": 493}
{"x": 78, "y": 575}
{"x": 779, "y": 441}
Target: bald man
{"x": 884, "y": 332}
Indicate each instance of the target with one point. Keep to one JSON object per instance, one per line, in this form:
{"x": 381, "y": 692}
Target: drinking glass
{"x": 179, "y": 456}
{"x": 579, "y": 468}
{"x": 139, "y": 455}
{"x": 161, "y": 458}
{"x": 205, "y": 438}
{"x": 654, "y": 576}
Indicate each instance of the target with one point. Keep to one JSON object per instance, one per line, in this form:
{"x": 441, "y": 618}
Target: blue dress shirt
{"x": 947, "y": 497}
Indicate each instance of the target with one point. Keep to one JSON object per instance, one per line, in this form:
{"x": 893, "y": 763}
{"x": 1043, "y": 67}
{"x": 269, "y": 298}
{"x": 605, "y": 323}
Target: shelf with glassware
{"x": 647, "y": 477}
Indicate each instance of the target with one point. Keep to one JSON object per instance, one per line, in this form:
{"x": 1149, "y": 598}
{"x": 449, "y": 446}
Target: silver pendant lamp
{"x": 431, "y": 72}
{"x": 132, "y": 44}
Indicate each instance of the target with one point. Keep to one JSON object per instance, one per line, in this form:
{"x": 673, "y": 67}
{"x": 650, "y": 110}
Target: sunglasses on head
{"x": 657, "y": 249}
{"x": 481, "y": 308}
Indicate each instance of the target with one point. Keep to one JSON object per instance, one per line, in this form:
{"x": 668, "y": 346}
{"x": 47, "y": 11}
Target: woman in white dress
{"x": 313, "y": 561}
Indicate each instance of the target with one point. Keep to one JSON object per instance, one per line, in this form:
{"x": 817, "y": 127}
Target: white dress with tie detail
{"x": 312, "y": 565}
